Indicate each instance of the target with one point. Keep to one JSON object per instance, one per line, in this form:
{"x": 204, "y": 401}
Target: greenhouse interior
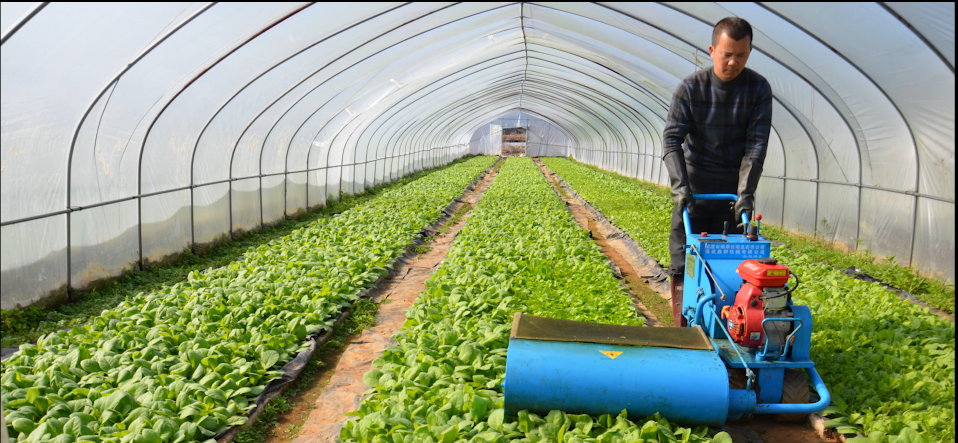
{"x": 478, "y": 222}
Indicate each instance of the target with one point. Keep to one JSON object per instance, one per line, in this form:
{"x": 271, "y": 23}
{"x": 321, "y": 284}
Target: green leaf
{"x": 23, "y": 425}
{"x": 496, "y": 418}
{"x": 909, "y": 435}
{"x": 525, "y": 424}
{"x": 216, "y": 394}
{"x": 147, "y": 436}
{"x": 32, "y": 394}
{"x": 722, "y": 437}
{"x": 269, "y": 358}
{"x": 371, "y": 378}
{"x": 847, "y": 430}
{"x": 479, "y": 407}
{"x": 164, "y": 427}
{"x": 450, "y": 435}
{"x": 832, "y": 410}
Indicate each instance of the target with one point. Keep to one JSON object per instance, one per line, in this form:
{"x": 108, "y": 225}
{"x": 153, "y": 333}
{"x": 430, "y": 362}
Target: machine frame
{"x": 711, "y": 282}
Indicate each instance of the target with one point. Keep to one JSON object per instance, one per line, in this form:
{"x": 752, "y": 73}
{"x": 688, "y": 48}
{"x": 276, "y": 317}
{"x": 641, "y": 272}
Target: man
{"x": 716, "y": 137}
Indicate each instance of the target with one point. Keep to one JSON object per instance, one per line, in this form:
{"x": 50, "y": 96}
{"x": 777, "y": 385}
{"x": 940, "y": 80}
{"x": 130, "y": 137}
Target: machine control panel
{"x": 733, "y": 246}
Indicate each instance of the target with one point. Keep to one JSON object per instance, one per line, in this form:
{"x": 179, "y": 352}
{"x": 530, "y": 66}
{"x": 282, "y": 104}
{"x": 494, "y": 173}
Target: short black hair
{"x": 736, "y": 28}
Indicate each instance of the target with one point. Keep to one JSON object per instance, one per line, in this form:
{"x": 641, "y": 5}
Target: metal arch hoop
{"x": 918, "y": 34}
{"x": 639, "y": 117}
{"x": 23, "y": 21}
{"x": 76, "y": 133}
{"x": 167, "y": 105}
{"x": 391, "y": 107}
{"x": 904, "y": 120}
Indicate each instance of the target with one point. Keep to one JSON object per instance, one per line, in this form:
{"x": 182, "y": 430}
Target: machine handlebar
{"x": 731, "y": 197}
{"x": 685, "y": 210}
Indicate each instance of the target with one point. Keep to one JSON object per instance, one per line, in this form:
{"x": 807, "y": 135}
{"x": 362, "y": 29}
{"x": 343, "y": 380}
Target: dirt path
{"x": 341, "y": 390}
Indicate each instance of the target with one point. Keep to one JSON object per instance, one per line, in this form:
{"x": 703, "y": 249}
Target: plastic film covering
{"x": 148, "y": 128}
{"x": 104, "y": 242}
{"x": 34, "y": 257}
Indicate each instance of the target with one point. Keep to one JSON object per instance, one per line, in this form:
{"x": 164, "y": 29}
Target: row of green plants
{"x": 934, "y": 292}
{"x": 635, "y": 206}
{"x": 18, "y": 326}
{"x": 185, "y": 362}
{"x": 639, "y": 211}
{"x": 890, "y": 365}
{"x": 442, "y": 382}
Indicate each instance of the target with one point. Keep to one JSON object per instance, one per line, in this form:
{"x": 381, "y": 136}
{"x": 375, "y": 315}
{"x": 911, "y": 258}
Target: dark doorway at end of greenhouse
{"x": 513, "y": 142}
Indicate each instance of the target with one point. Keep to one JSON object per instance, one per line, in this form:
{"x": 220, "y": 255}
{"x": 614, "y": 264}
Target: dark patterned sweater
{"x": 718, "y": 123}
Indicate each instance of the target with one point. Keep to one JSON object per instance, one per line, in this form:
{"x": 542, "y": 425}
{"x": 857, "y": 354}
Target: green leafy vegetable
{"x": 521, "y": 250}
{"x": 639, "y": 209}
{"x": 186, "y": 362}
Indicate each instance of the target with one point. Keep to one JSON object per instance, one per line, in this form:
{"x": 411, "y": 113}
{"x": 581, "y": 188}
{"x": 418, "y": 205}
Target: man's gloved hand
{"x": 685, "y": 200}
{"x": 744, "y": 204}
{"x": 748, "y": 175}
{"x": 679, "y": 179}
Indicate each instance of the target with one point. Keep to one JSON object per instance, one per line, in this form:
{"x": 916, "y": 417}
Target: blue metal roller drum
{"x": 687, "y": 386}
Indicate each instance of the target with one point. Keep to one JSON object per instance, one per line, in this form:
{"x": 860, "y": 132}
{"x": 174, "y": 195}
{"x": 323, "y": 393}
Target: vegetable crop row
{"x": 635, "y": 206}
{"x": 936, "y": 293}
{"x": 520, "y": 251}
{"x": 638, "y": 210}
{"x": 185, "y": 362}
{"x": 889, "y": 365}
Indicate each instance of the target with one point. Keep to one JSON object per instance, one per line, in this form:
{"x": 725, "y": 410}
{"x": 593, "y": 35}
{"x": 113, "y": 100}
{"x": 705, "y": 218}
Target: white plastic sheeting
{"x": 132, "y": 131}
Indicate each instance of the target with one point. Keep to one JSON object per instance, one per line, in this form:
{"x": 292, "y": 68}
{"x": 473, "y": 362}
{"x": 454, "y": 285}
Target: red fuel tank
{"x": 763, "y": 275}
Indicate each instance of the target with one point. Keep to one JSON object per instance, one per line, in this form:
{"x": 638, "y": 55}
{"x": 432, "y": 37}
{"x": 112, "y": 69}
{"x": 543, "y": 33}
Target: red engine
{"x": 763, "y": 290}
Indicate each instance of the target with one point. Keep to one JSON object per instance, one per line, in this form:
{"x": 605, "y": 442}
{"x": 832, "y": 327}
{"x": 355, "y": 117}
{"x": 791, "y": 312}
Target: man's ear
{"x": 712, "y": 49}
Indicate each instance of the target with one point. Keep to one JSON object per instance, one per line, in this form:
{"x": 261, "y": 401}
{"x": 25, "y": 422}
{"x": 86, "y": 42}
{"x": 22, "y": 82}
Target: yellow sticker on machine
{"x": 776, "y": 273}
{"x": 611, "y": 354}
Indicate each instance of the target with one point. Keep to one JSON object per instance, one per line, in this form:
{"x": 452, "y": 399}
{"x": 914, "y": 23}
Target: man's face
{"x": 729, "y": 56}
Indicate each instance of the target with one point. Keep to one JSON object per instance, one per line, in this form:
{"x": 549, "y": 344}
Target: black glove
{"x": 748, "y": 175}
{"x": 679, "y": 178}
{"x": 744, "y": 204}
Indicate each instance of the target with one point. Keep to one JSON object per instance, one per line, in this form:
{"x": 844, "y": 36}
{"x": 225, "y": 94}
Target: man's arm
{"x": 677, "y": 126}
{"x": 677, "y": 122}
{"x": 756, "y": 146}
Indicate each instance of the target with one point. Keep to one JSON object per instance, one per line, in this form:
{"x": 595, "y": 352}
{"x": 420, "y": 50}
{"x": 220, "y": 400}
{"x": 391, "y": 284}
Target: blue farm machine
{"x": 746, "y": 349}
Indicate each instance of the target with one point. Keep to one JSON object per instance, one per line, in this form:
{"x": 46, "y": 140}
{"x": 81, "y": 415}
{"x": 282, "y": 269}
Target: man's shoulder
{"x": 755, "y": 78}
{"x": 699, "y": 77}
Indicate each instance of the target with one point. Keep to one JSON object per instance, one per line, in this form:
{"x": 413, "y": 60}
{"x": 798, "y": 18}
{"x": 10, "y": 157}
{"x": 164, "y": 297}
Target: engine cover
{"x": 763, "y": 272}
{"x": 745, "y": 316}
{"x": 763, "y": 295}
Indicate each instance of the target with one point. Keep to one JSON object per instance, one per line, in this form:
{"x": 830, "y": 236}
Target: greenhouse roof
{"x": 132, "y": 131}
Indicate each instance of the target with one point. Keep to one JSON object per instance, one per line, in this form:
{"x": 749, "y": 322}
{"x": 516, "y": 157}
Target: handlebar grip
{"x": 732, "y": 197}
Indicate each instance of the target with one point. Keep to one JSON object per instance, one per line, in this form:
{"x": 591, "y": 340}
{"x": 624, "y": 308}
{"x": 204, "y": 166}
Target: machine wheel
{"x": 794, "y": 390}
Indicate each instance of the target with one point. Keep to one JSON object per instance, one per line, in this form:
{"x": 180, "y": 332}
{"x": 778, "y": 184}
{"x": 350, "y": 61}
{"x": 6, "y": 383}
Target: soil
{"x": 318, "y": 413}
{"x": 290, "y": 423}
{"x": 762, "y": 429}
{"x": 654, "y": 308}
